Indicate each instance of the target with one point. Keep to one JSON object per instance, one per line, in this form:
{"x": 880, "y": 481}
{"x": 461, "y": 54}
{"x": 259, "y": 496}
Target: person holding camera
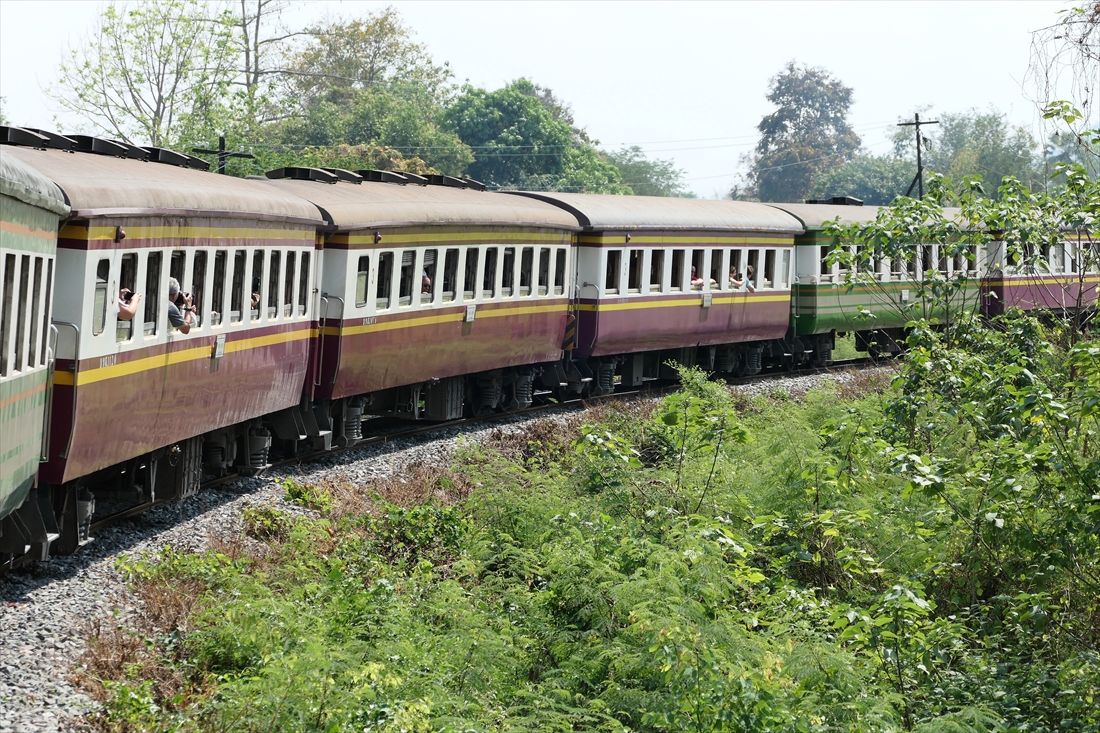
{"x": 128, "y": 304}
{"x": 181, "y": 314}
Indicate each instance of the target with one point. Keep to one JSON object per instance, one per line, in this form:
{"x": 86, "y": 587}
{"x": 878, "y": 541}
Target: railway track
{"x": 385, "y": 430}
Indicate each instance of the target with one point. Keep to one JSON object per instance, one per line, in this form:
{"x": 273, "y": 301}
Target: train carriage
{"x": 1063, "y": 278}
{"x": 439, "y": 298}
{"x": 661, "y": 278}
{"x": 30, "y": 207}
{"x": 828, "y": 298}
{"x": 133, "y": 398}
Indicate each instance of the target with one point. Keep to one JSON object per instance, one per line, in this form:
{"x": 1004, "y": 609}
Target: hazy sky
{"x": 683, "y": 80}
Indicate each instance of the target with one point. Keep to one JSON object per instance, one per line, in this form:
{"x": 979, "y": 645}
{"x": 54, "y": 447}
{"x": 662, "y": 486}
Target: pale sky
{"x": 683, "y": 80}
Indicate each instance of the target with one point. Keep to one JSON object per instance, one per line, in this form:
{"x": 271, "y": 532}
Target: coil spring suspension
{"x": 524, "y": 388}
{"x": 724, "y": 360}
{"x": 605, "y": 377}
{"x": 488, "y": 390}
{"x": 353, "y": 423}
{"x": 753, "y": 360}
{"x": 213, "y": 454}
{"x": 259, "y": 448}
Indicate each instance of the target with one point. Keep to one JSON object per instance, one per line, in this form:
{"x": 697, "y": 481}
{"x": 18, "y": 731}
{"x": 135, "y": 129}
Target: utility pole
{"x": 918, "y": 180}
{"x": 222, "y": 154}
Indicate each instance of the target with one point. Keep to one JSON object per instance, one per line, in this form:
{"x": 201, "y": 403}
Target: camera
{"x": 126, "y": 295}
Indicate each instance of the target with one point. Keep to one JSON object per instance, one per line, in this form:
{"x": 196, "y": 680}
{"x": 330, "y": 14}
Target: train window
{"x": 36, "y": 310}
{"x": 46, "y": 304}
{"x": 427, "y": 276}
{"x": 273, "y": 285}
{"x": 469, "y": 275}
{"x": 257, "y": 282}
{"x": 698, "y": 267}
{"x": 943, "y": 260}
{"x": 544, "y": 271}
{"x": 737, "y": 265}
{"x": 489, "y": 278}
{"x": 753, "y": 264}
{"x": 362, "y": 276}
{"x": 288, "y": 284}
{"x": 634, "y": 271}
{"x": 769, "y": 268}
{"x": 217, "y": 302}
{"x": 508, "y": 271}
{"x": 236, "y": 293}
{"x": 656, "y": 268}
{"x": 127, "y": 280}
{"x": 100, "y": 296}
{"x": 677, "y": 282}
{"x": 198, "y": 287}
{"x": 716, "y": 269}
{"x": 7, "y": 301}
{"x": 1057, "y": 259}
{"x": 21, "y": 317}
{"x": 304, "y": 290}
{"x": 405, "y": 281}
{"x": 826, "y": 268}
{"x": 559, "y": 271}
{"x": 385, "y": 279}
{"x": 614, "y": 269}
{"x": 526, "y": 265}
{"x": 450, "y": 274}
{"x": 152, "y": 292}
{"x": 176, "y": 266}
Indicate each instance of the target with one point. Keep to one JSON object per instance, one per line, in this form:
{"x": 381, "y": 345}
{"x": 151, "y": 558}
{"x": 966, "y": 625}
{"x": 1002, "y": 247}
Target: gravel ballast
{"x": 47, "y": 610}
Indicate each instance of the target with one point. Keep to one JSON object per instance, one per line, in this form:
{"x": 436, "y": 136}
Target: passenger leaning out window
{"x": 181, "y": 314}
{"x": 128, "y": 304}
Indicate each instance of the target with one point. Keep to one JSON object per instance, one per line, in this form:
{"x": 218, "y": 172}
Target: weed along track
{"x": 50, "y": 609}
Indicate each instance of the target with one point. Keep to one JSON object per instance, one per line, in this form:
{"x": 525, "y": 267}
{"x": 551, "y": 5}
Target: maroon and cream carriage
{"x": 139, "y": 408}
{"x": 669, "y": 278}
{"x": 438, "y": 298}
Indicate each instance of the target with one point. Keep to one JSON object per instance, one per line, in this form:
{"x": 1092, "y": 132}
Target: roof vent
{"x": 471, "y": 183}
{"x": 345, "y": 175}
{"x": 438, "y": 180}
{"x": 53, "y": 140}
{"x": 103, "y": 146}
{"x": 171, "y": 157}
{"x": 22, "y": 136}
{"x": 413, "y": 178}
{"x": 837, "y": 201}
{"x": 371, "y": 174}
{"x": 303, "y": 174}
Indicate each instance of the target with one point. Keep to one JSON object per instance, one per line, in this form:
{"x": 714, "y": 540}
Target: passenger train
{"x": 324, "y": 296}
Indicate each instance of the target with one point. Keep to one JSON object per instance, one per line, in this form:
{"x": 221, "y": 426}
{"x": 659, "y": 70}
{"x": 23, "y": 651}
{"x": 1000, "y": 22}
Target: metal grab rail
{"x": 76, "y": 371}
{"x": 339, "y": 338}
{"x": 47, "y": 423}
{"x": 319, "y": 360}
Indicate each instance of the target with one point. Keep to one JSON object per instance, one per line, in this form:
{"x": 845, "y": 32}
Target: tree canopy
{"x": 806, "y": 134}
{"x": 875, "y": 179}
{"x": 648, "y": 177}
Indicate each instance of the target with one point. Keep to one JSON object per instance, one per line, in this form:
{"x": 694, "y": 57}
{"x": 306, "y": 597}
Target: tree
{"x": 148, "y": 69}
{"x": 875, "y": 179}
{"x": 807, "y": 133}
{"x": 648, "y": 177}
{"x": 3, "y": 117}
{"x": 519, "y": 141}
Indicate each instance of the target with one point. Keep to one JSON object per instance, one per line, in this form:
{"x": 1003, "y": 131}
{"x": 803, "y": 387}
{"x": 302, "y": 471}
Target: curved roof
{"x": 814, "y": 216}
{"x": 102, "y": 185}
{"x": 22, "y": 182}
{"x": 364, "y": 205}
{"x": 604, "y": 211}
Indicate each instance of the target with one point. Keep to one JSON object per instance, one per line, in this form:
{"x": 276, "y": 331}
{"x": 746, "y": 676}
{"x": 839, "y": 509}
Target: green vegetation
{"x": 919, "y": 556}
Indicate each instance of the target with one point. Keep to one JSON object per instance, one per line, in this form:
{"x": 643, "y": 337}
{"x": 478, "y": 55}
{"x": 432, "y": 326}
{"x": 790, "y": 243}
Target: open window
{"x": 217, "y": 300}
{"x": 752, "y": 268}
{"x": 489, "y": 277}
{"x": 257, "y": 282}
{"x": 21, "y": 318}
{"x": 406, "y": 276}
{"x": 559, "y": 271}
{"x": 36, "y": 311}
{"x": 428, "y": 276}
{"x": 7, "y": 308}
{"x": 716, "y": 274}
{"x": 634, "y": 271}
{"x": 47, "y": 303}
{"x": 469, "y": 274}
{"x": 612, "y": 271}
{"x": 100, "y": 296}
{"x": 198, "y": 286}
{"x": 274, "y": 285}
{"x": 737, "y": 268}
{"x": 237, "y": 291}
{"x": 304, "y": 289}
{"x": 769, "y": 268}
{"x": 385, "y": 281}
{"x": 362, "y": 278}
{"x": 152, "y": 293}
{"x": 127, "y": 282}
{"x": 697, "y": 269}
{"x": 288, "y": 284}
{"x": 656, "y": 269}
{"x": 526, "y": 270}
{"x": 508, "y": 272}
{"x": 450, "y": 275}
{"x": 676, "y": 284}
{"x": 544, "y": 271}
